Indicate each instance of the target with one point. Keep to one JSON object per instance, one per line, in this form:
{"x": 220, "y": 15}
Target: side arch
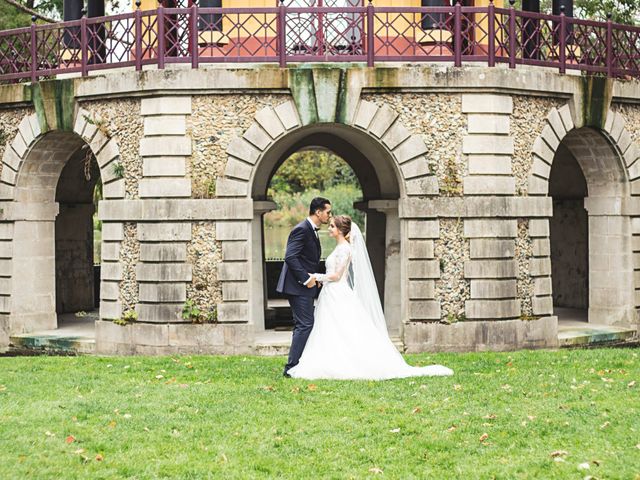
{"x": 31, "y": 167}
{"x": 608, "y": 160}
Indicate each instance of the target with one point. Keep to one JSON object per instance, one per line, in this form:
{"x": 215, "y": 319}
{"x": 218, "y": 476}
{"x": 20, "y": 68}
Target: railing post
{"x": 83, "y": 43}
{"x": 492, "y": 33}
{"x": 609, "y": 46}
{"x": 194, "y": 35}
{"x": 161, "y": 39}
{"x": 457, "y": 35}
{"x": 513, "y": 36}
{"x": 34, "y": 51}
{"x": 138, "y": 33}
{"x": 282, "y": 43}
{"x": 563, "y": 41}
{"x": 370, "y": 37}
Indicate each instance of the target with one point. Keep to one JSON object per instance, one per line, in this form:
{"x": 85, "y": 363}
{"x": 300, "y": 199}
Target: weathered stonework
{"x": 204, "y": 253}
{"x": 523, "y": 255}
{"x": 631, "y": 114}
{"x": 441, "y": 124}
{"x": 121, "y": 121}
{"x": 129, "y": 258}
{"x": 9, "y": 122}
{"x": 455, "y": 171}
{"x": 452, "y": 289}
{"x": 527, "y": 121}
{"x": 214, "y": 122}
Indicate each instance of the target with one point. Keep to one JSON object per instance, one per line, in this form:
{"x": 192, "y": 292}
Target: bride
{"x": 349, "y": 339}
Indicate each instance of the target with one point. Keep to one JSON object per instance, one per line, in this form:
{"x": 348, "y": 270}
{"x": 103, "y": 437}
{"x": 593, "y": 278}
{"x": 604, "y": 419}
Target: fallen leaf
{"x": 127, "y": 415}
{"x": 559, "y": 453}
{"x": 70, "y": 439}
{"x": 395, "y": 430}
{"x": 99, "y": 458}
{"x": 584, "y": 466}
{"x": 631, "y": 384}
{"x": 268, "y": 388}
{"x": 79, "y": 451}
{"x": 159, "y": 377}
{"x": 491, "y": 416}
{"x": 112, "y": 424}
{"x": 416, "y": 410}
{"x": 457, "y": 387}
{"x": 295, "y": 390}
{"x": 49, "y": 434}
{"x": 312, "y": 387}
{"x": 376, "y": 470}
{"x": 483, "y": 437}
{"x": 605, "y": 425}
{"x": 452, "y": 428}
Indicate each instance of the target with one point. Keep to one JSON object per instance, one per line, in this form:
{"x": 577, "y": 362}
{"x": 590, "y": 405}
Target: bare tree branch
{"x": 30, "y": 11}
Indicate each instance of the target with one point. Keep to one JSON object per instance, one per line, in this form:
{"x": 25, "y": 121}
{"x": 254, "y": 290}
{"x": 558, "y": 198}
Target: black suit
{"x": 301, "y": 258}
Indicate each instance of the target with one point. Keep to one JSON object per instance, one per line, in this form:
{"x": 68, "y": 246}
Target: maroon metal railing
{"x": 314, "y": 34}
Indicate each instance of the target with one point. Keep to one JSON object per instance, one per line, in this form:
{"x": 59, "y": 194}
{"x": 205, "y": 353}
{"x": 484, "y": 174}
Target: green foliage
{"x": 118, "y": 169}
{"x": 623, "y": 11}
{"x": 204, "y": 188}
{"x": 451, "y": 184}
{"x": 11, "y": 17}
{"x": 311, "y": 170}
{"x": 194, "y": 314}
{"x": 236, "y": 417}
{"x": 292, "y": 208}
{"x": 127, "y": 317}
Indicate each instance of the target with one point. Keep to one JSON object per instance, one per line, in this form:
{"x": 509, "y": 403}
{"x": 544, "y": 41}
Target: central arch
{"x": 388, "y": 161}
{"x": 381, "y": 188}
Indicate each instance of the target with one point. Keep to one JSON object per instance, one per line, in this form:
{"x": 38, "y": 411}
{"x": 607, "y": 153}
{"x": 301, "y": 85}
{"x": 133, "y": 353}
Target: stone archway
{"x": 31, "y": 170}
{"x": 389, "y": 161}
{"x": 603, "y": 157}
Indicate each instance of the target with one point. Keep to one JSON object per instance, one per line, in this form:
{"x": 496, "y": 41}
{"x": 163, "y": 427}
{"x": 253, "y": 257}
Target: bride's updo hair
{"x": 343, "y": 223}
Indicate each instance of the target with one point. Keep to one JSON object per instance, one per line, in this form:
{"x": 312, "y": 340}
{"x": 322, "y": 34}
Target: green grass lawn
{"x": 542, "y": 414}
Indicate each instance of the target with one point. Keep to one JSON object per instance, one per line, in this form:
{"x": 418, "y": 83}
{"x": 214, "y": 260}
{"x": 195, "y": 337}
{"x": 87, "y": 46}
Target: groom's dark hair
{"x": 318, "y": 203}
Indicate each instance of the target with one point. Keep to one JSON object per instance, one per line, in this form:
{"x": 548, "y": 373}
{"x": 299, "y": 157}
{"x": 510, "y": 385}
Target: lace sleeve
{"x": 342, "y": 259}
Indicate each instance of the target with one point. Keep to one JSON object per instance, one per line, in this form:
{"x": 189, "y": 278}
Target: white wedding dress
{"x": 349, "y": 339}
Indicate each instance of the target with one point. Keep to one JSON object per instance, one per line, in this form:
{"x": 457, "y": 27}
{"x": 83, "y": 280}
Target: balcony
{"x": 286, "y": 34}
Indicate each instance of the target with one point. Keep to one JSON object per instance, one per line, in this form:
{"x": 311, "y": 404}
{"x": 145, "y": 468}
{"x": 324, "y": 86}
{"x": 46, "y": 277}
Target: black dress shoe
{"x": 286, "y": 375}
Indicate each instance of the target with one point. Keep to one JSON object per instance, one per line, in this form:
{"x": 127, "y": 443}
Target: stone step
{"x": 275, "y": 343}
{"x": 589, "y": 335}
{"x": 25, "y": 343}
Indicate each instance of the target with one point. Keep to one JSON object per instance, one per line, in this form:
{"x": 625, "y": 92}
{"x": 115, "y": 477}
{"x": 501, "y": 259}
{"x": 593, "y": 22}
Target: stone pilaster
{"x": 165, "y": 147}
{"x": 488, "y": 145}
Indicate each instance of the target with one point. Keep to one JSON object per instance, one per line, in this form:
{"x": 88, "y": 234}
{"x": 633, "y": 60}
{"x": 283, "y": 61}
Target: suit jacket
{"x": 301, "y": 258}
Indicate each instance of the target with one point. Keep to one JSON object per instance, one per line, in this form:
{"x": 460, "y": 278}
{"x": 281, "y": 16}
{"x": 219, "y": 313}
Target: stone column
{"x": 258, "y": 284}
{"x": 32, "y": 269}
{"x": 422, "y": 269}
{"x": 392, "y": 265}
{"x": 492, "y": 268}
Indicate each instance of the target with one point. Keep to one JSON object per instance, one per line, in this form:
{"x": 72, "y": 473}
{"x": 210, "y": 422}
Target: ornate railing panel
{"x": 339, "y": 31}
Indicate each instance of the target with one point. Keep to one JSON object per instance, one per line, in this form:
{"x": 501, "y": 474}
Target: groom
{"x": 302, "y": 258}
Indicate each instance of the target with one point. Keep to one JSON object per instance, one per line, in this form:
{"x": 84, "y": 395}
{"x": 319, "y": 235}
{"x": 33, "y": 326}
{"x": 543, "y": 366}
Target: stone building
{"x": 491, "y": 195}
{"x": 495, "y": 197}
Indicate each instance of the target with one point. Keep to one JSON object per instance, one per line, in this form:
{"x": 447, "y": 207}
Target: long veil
{"x": 364, "y": 282}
